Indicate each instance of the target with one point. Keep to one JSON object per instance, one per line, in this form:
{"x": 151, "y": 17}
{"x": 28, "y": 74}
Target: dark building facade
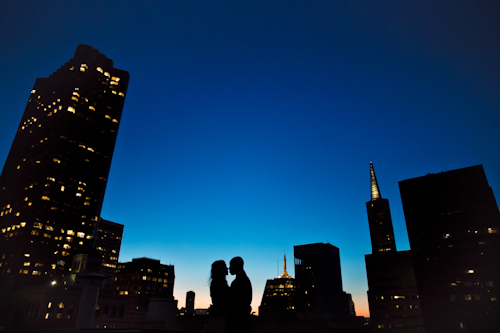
{"x": 392, "y": 290}
{"x": 53, "y": 182}
{"x": 392, "y": 293}
{"x": 108, "y": 241}
{"x": 318, "y": 281}
{"x": 143, "y": 279}
{"x": 453, "y": 227}
{"x": 190, "y": 302}
{"x": 279, "y": 296}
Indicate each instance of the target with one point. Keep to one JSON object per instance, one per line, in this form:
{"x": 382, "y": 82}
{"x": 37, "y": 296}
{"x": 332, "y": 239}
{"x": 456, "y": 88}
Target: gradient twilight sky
{"x": 249, "y": 126}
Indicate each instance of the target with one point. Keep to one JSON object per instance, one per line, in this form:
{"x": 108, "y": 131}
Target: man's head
{"x": 236, "y": 265}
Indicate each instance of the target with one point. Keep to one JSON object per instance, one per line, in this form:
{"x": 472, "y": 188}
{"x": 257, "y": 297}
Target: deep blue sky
{"x": 249, "y": 126}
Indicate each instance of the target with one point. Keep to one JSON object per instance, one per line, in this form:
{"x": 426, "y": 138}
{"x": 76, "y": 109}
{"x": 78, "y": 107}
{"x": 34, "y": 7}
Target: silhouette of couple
{"x": 230, "y": 309}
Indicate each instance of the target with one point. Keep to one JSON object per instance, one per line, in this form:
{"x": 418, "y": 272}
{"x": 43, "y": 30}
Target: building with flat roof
{"x": 318, "y": 281}
{"x": 453, "y": 226}
{"x": 143, "y": 279}
{"x": 108, "y": 241}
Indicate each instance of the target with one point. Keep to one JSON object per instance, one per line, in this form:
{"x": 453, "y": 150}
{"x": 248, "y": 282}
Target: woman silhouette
{"x": 219, "y": 291}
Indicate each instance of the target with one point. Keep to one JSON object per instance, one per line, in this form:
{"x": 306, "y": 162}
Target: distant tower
{"x": 379, "y": 218}
{"x": 279, "y": 293}
{"x": 190, "y": 302}
{"x": 392, "y": 289}
{"x": 285, "y": 273}
{"x": 108, "y": 242}
{"x": 319, "y": 280}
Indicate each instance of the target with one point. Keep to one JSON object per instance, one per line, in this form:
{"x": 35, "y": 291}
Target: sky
{"x": 249, "y": 126}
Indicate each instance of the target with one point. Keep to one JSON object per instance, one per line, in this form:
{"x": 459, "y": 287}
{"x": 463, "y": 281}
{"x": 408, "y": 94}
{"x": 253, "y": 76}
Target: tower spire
{"x": 285, "y": 274}
{"x": 375, "y": 190}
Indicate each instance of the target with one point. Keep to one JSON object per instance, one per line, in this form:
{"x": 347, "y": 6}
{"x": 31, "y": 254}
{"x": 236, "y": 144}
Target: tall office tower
{"x": 453, "y": 226}
{"x": 143, "y": 279}
{"x": 108, "y": 241}
{"x": 379, "y": 218}
{"x": 349, "y": 305}
{"x": 53, "y": 182}
{"x": 318, "y": 280}
{"x": 279, "y": 295}
{"x": 392, "y": 290}
{"x": 190, "y": 302}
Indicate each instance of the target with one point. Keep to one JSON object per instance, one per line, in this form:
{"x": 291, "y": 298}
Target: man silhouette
{"x": 241, "y": 297}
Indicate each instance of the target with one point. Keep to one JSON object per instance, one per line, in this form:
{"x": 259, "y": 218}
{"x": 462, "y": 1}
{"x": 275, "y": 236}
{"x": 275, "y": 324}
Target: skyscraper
{"x": 318, "y": 280}
{"x": 108, "y": 241}
{"x": 392, "y": 290}
{"x": 379, "y": 218}
{"x": 53, "y": 182}
{"x": 190, "y": 302}
{"x": 453, "y": 227}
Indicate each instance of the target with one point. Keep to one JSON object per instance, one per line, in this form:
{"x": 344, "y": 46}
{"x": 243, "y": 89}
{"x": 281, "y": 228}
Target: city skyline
{"x": 249, "y": 129}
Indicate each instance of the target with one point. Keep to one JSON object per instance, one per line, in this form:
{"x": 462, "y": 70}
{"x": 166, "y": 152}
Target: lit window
{"x": 56, "y": 160}
{"x": 99, "y": 69}
{"x": 86, "y": 203}
{"x": 62, "y": 188}
{"x": 470, "y": 271}
{"x": 48, "y": 227}
{"x": 37, "y": 225}
{"x": 65, "y": 253}
{"x": 66, "y": 246}
{"x": 80, "y": 235}
{"x": 467, "y": 297}
{"x": 115, "y": 120}
{"x": 91, "y": 108}
{"x": 23, "y": 224}
{"x": 71, "y": 232}
{"x": 78, "y": 194}
{"x": 121, "y": 94}
{"x": 71, "y": 109}
{"x": 26, "y": 263}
